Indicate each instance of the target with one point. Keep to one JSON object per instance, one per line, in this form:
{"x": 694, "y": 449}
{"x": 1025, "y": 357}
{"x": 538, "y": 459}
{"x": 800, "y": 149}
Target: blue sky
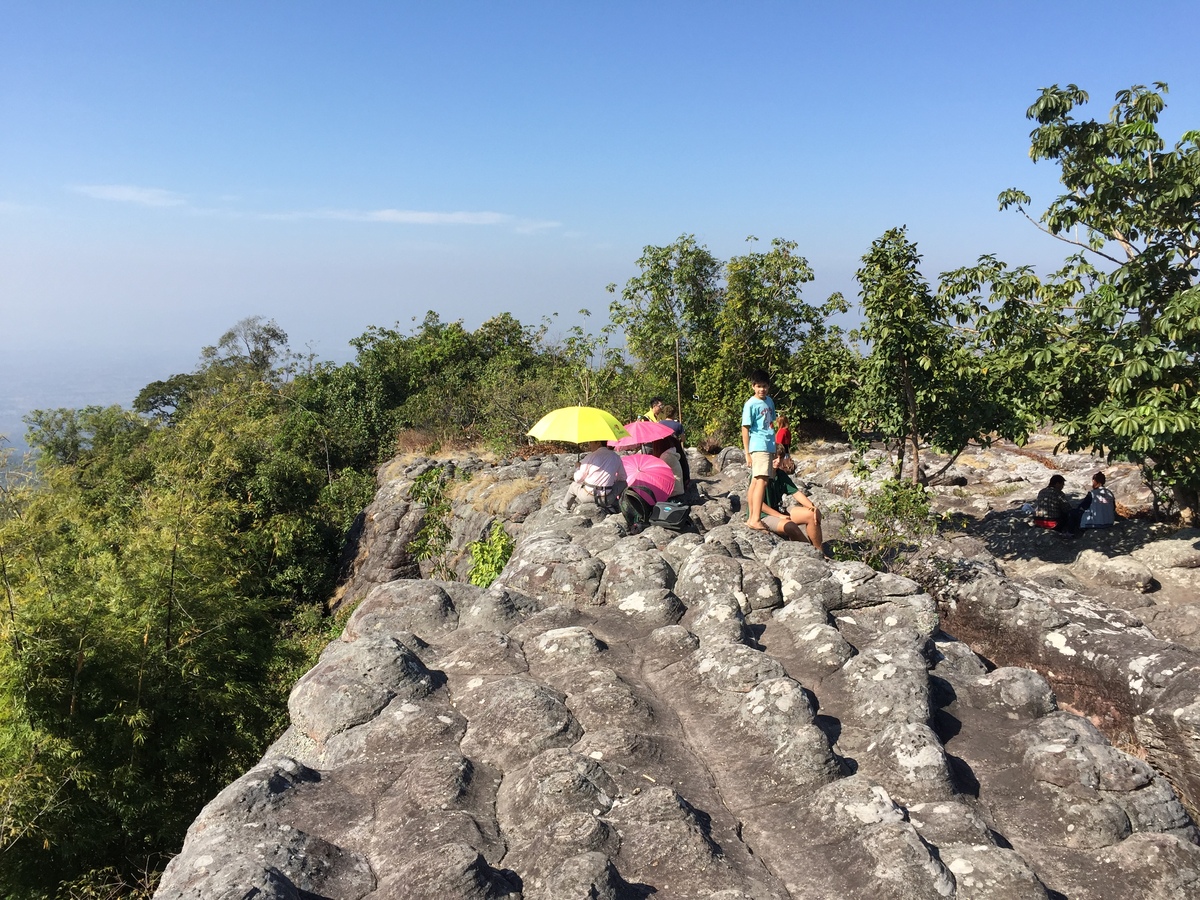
{"x": 167, "y": 169}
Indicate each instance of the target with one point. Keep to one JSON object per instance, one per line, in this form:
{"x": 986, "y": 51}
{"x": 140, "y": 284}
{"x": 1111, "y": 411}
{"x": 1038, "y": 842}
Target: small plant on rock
{"x": 433, "y": 537}
{"x": 490, "y": 556}
{"x": 897, "y": 519}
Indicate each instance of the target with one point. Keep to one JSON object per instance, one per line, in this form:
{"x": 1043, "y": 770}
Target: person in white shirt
{"x": 598, "y": 478}
{"x": 1099, "y": 508}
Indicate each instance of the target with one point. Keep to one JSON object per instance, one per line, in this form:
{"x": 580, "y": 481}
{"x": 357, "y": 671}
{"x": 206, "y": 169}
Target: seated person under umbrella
{"x": 668, "y": 418}
{"x": 599, "y": 478}
{"x": 665, "y": 449}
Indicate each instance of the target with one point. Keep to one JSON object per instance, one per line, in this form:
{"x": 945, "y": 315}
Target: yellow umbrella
{"x": 577, "y": 424}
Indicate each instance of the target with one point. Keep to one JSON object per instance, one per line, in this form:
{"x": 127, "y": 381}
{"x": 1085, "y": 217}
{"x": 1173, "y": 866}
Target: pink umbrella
{"x": 642, "y": 433}
{"x": 650, "y": 472}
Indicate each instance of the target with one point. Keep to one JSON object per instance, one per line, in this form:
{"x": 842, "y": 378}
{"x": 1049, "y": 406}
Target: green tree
{"x": 669, "y": 313}
{"x": 1120, "y": 323}
{"x": 926, "y": 378}
{"x": 159, "y": 585}
{"x": 253, "y": 349}
{"x": 762, "y": 323}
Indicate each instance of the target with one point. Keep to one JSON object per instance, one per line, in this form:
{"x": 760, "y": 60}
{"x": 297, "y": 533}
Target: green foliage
{"x": 1112, "y": 340}
{"x": 897, "y": 519}
{"x": 692, "y": 334}
{"x": 668, "y": 313}
{"x": 762, "y": 320}
{"x": 455, "y": 385}
{"x": 433, "y": 536}
{"x": 109, "y": 884}
{"x": 595, "y": 365}
{"x": 160, "y": 583}
{"x": 927, "y": 378}
{"x": 490, "y": 556}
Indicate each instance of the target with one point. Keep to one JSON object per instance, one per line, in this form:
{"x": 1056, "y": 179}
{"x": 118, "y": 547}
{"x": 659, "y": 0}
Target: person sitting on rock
{"x": 598, "y": 479}
{"x": 667, "y": 417}
{"x": 665, "y": 449}
{"x": 780, "y": 523}
{"x": 1099, "y": 508}
{"x": 1052, "y": 509}
{"x": 803, "y": 512}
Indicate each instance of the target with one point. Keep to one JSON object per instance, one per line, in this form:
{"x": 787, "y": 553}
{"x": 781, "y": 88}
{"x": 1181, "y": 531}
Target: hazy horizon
{"x": 166, "y": 171}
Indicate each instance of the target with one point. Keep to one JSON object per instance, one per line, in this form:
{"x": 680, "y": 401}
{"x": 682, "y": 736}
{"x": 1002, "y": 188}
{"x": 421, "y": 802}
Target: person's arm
{"x": 802, "y": 500}
{"x": 746, "y": 442}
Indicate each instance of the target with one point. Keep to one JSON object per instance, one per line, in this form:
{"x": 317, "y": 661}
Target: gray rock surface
{"x": 722, "y": 715}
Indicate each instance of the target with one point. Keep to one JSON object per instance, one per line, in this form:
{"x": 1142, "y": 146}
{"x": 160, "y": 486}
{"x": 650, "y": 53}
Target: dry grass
{"x": 970, "y": 462}
{"x": 1003, "y": 489}
{"x": 414, "y": 443}
{"x": 491, "y": 494}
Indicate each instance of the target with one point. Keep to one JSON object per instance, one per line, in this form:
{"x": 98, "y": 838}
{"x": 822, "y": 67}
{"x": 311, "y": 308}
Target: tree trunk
{"x": 942, "y": 471}
{"x": 1185, "y": 502}
{"x": 678, "y": 384}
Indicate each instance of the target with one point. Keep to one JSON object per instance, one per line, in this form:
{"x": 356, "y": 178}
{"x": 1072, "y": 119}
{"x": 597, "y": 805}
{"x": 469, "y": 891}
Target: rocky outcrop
{"x": 1103, "y": 662}
{"x": 715, "y": 714}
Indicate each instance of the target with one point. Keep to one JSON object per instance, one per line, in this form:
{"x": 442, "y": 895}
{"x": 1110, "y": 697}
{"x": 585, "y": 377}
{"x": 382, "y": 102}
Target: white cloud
{"x": 423, "y": 217}
{"x": 129, "y": 193}
{"x": 528, "y": 226}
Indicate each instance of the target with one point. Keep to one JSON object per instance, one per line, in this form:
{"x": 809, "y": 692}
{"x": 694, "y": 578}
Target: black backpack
{"x": 672, "y": 516}
{"x": 637, "y": 506}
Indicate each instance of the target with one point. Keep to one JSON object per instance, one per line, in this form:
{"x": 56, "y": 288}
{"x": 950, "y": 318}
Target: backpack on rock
{"x": 637, "y": 506}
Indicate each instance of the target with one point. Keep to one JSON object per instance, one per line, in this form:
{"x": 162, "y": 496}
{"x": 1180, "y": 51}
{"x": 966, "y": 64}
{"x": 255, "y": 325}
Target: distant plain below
{"x": 51, "y": 380}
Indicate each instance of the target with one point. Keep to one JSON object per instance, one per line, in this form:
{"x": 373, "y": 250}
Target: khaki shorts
{"x": 774, "y": 523}
{"x": 760, "y": 464}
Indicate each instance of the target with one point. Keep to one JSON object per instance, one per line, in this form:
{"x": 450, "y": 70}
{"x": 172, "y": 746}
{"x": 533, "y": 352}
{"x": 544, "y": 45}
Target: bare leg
{"x": 779, "y": 524}
{"x": 792, "y": 531}
{"x": 810, "y": 518}
{"x": 754, "y": 500}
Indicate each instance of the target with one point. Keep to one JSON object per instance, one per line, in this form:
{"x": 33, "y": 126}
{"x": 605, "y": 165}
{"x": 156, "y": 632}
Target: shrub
{"x": 489, "y": 557}
{"x": 897, "y": 519}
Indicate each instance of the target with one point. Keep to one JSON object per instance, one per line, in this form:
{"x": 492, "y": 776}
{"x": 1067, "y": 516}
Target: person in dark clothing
{"x": 1052, "y": 509}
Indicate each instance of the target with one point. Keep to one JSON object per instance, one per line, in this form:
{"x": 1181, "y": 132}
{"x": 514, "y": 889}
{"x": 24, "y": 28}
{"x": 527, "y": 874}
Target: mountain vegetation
{"x": 165, "y": 568}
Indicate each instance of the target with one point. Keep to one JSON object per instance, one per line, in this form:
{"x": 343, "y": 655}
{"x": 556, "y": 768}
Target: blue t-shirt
{"x": 758, "y": 415}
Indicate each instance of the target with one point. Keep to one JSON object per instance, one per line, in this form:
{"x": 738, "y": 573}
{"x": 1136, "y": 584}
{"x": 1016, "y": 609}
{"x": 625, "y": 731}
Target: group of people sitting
{"x": 600, "y": 476}
{"x": 1053, "y": 510}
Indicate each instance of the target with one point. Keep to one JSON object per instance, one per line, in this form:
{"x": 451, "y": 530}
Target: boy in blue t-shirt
{"x": 758, "y": 443}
